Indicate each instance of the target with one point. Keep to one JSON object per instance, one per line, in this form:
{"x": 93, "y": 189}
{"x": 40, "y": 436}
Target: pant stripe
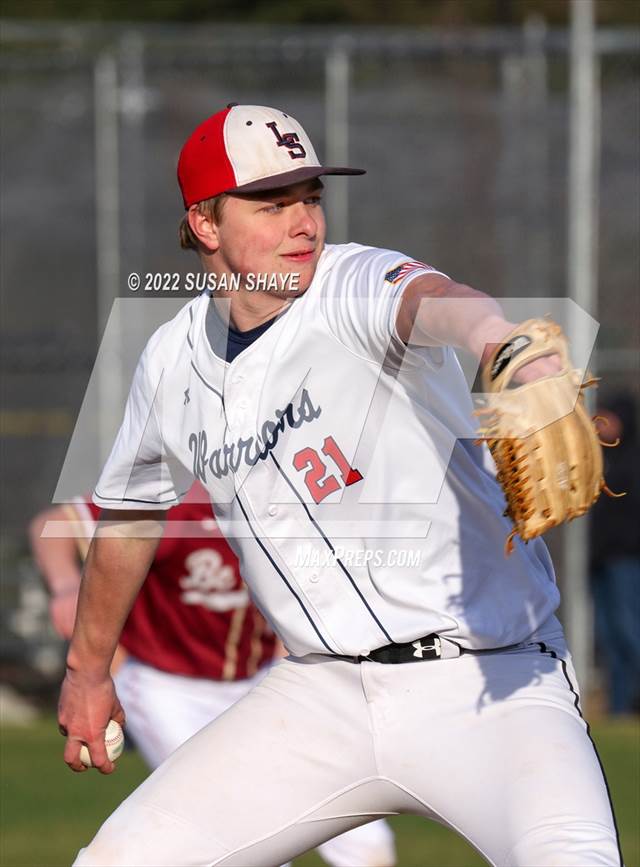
{"x": 544, "y": 649}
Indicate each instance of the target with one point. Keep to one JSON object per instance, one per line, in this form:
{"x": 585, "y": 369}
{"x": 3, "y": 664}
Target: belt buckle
{"x": 420, "y": 648}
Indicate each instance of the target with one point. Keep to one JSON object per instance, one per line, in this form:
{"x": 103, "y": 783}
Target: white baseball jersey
{"x": 341, "y": 467}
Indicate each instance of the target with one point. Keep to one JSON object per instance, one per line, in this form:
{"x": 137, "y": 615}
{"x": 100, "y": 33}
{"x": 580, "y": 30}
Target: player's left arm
{"x": 57, "y": 561}
{"x": 438, "y": 311}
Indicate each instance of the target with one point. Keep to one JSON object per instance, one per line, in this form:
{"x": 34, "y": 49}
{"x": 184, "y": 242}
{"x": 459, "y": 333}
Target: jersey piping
{"x": 204, "y": 381}
{"x": 135, "y": 500}
{"x": 282, "y": 575}
{"x": 333, "y": 551}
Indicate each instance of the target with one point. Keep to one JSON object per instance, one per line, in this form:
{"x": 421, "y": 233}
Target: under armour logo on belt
{"x": 420, "y": 648}
{"x": 288, "y": 140}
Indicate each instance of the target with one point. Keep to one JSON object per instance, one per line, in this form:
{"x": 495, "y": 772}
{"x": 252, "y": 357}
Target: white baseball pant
{"x": 493, "y": 746}
{"x": 164, "y": 710}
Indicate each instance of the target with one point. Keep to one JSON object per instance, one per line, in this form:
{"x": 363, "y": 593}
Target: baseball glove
{"x": 546, "y": 448}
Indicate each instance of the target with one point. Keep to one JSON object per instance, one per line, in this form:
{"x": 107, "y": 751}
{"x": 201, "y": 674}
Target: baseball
{"x": 113, "y": 741}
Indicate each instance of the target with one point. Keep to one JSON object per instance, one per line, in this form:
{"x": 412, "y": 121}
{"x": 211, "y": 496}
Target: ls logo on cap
{"x": 288, "y": 140}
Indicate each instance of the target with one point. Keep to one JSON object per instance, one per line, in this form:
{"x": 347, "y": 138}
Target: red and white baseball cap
{"x": 248, "y": 149}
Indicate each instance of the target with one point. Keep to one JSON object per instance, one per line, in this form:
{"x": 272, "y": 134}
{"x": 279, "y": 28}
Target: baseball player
{"x": 192, "y": 645}
{"x": 328, "y": 418}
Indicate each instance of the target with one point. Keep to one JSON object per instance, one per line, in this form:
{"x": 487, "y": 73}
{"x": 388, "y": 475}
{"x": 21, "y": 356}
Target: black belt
{"x": 429, "y": 647}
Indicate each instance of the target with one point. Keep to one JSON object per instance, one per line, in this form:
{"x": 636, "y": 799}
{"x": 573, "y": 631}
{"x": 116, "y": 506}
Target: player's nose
{"x": 302, "y": 221}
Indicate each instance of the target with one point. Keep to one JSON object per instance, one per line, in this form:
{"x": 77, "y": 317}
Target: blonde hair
{"x": 210, "y": 208}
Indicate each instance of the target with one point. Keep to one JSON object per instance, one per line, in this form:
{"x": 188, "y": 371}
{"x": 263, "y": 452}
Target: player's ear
{"x": 204, "y": 228}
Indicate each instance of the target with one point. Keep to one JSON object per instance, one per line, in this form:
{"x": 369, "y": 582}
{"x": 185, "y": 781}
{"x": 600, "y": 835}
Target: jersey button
{"x": 272, "y": 510}
{"x": 314, "y": 578}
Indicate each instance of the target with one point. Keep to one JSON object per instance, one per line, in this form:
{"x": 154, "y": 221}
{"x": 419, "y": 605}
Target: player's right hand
{"x": 85, "y": 707}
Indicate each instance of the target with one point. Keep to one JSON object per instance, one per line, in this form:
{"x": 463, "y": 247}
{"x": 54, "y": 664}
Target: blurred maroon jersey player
{"x": 193, "y": 615}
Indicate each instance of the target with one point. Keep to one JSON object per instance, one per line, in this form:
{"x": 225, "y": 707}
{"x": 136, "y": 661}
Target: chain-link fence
{"x": 464, "y": 136}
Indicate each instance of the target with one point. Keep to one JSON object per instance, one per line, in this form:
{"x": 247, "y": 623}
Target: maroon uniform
{"x": 193, "y": 615}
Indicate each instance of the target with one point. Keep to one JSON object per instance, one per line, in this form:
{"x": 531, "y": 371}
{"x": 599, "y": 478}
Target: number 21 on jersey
{"x": 320, "y": 484}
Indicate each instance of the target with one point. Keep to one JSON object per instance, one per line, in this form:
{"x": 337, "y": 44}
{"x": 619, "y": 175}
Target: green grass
{"x": 47, "y": 813}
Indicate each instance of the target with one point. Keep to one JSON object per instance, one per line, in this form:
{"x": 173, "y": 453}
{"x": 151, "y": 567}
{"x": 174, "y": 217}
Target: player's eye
{"x": 313, "y": 200}
{"x": 274, "y": 208}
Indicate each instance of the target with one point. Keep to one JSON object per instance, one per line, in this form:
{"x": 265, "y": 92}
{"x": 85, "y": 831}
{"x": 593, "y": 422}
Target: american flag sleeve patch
{"x": 400, "y": 271}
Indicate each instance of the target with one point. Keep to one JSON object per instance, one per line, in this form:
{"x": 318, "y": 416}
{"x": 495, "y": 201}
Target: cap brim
{"x": 285, "y": 179}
